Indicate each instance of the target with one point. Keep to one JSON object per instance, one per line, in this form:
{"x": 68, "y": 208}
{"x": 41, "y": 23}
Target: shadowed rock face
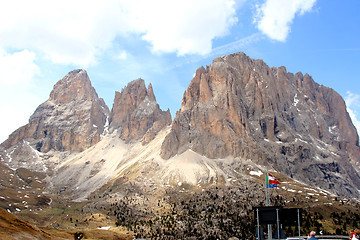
{"x": 73, "y": 118}
{"x": 240, "y": 107}
{"x": 135, "y": 113}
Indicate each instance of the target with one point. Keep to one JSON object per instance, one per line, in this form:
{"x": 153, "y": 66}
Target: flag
{"x": 271, "y": 182}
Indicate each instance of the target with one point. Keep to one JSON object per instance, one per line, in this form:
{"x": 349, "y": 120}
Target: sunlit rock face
{"x": 240, "y": 107}
{"x": 135, "y": 113}
{"x": 73, "y": 118}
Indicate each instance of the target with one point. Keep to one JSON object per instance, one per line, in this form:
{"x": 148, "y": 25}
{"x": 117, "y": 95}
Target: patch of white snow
{"x": 104, "y": 228}
{"x": 256, "y": 173}
{"x": 296, "y": 100}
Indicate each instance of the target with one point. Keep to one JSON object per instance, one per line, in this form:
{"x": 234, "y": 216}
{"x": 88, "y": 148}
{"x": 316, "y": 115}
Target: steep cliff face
{"x": 240, "y": 107}
{"x": 72, "y": 119}
{"x": 135, "y": 113}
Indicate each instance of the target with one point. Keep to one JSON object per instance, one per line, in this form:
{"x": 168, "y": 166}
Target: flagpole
{"x": 266, "y": 190}
{"x": 267, "y": 203}
{"x": 258, "y": 223}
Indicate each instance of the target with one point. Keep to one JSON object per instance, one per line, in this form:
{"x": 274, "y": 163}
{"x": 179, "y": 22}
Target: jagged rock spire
{"x": 135, "y": 112}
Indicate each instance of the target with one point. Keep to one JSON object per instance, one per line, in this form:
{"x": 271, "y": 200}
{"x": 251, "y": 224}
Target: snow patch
{"x": 299, "y": 139}
{"x": 104, "y": 228}
{"x": 331, "y": 129}
{"x": 256, "y": 173}
{"x": 106, "y": 128}
{"x": 322, "y": 149}
{"x": 296, "y": 100}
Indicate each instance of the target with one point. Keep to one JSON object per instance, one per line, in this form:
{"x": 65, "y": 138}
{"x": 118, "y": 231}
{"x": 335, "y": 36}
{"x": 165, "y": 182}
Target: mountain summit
{"x": 237, "y": 114}
{"x": 72, "y": 119}
{"x": 136, "y": 113}
{"x": 132, "y": 166}
{"x": 242, "y": 108}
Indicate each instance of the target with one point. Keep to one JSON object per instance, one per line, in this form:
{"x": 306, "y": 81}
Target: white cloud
{"x": 184, "y": 27}
{"x": 17, "y": 68}
{"x": 274, "y": 17}
{"x": 75, "y": 32}
{"x": 122, "y": 55}
{"x": 68, "y": 32}
{"x": 16, "y": 114}
{"x": 18, "y": 99}
{"x": 353, "y": 106}
{"x": 78, "y": 33}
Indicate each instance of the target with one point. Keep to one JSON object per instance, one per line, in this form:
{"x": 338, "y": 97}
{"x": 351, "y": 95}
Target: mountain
{"x": 237, "y": 108}
{"x": 242, "y": 108}
{"x": 72, "y": 119}
{"x": 13, "y": 228}
{"x": 77, "y": 165}
{"x": 136, "y": 114}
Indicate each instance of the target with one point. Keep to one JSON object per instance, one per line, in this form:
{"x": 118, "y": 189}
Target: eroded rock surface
{"x": 240, "y": 107}
{"x": 72, "y": 119}
{"x": 135, "y": 113}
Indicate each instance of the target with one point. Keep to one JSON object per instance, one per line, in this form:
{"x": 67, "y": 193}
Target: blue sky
{"x": 165, "y": 41}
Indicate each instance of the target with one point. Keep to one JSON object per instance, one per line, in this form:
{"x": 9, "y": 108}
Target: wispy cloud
{"x": 353, "y": 106}
{"x": 232, "y": 47}
{"x": 235, "y": 46}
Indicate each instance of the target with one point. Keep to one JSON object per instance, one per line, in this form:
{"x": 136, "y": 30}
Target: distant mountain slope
{"x": 240, "y": 107}
{"x": 73, "y": 118}
{"x": 12, "y": 227}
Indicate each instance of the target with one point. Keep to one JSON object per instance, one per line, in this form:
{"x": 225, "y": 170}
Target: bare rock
{"x": 73, "y": 118}
{"x": 135, "y": 113}
{"x": 240, "y": 107}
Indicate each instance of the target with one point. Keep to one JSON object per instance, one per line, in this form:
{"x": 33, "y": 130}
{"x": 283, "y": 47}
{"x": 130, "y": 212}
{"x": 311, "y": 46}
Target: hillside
{"x": 79, "y": 166}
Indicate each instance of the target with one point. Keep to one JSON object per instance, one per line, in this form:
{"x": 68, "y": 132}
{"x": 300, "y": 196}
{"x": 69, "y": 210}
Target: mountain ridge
{"x": 78, "y": 165}
{"x": 237, "y": 109}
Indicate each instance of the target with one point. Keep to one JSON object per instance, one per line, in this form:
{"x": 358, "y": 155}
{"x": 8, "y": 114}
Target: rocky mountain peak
{"x": 72, "y": 119}
{"x": 75, "y": 86}
{"x": 126, "y": 102}
{"x": 240, "y": 107}
{"x": 136, "y": 114}
{"x": 150, "y": 93}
